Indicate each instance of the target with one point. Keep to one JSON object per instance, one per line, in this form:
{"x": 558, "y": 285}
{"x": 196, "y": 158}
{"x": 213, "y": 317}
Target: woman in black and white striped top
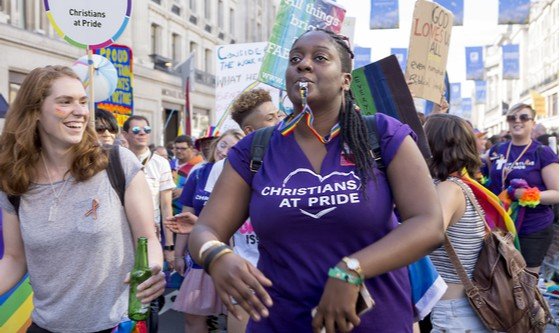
{"x": 453, "y": 146}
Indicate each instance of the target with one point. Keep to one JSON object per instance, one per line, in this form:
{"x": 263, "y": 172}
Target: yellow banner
{"x": 539, "y": 104}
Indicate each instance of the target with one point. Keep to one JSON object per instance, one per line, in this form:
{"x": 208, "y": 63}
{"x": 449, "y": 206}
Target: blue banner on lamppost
{"x": 362, "y": 56}
{"x": 510, "y": 61}
{"x": 401, "y": 54}
{"x": 466, "y": 108}
{"x": 513, "y": 11}
{"x": 456, "y": 7}
{"x": 475, "y": 63}
{"x": 384, "y": 14}
{"x": 455, "y": 99}
{"x": 480, "y": 92}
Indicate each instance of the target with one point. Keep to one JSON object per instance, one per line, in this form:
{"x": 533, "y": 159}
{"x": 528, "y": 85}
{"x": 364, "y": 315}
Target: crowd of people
{"x": 289, "y": 245}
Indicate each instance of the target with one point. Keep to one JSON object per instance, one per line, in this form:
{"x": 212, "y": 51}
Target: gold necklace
{"x": 507, "y": 170}
{"x": 54, "y": 205}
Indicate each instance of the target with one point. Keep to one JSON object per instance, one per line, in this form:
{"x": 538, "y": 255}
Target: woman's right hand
{"x": 234, "y": 277}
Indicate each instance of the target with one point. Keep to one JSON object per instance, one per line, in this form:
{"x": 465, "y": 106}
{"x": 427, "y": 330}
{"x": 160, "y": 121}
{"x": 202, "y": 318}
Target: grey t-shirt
{"x": 77, "y": 263}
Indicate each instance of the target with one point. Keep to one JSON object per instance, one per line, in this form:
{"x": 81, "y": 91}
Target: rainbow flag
{"x": 15, "y": 308}
{"x": 381, "y": 87}
{"x": 495, "y": 214}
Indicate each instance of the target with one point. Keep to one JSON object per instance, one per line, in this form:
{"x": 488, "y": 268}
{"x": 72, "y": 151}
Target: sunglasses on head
{"x": 100, "y": 129}
{"x": 522, "y": 118}
{"x": 137, "y": 129}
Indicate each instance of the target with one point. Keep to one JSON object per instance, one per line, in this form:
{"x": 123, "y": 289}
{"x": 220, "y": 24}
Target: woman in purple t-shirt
{"x": 322, "y": 210}
{"x": 536, "y": 164}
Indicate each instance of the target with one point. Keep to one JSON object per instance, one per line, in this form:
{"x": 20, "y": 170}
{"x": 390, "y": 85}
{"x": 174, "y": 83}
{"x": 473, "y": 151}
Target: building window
{"x": 157, "y": 1}
{"x": 554, "y": 104}
{"x": 192, "y": 48}
{"x": 21, "y": 8}
{"x": 2, "y": 6}
{"x": 154, "y": 32}
{"x": 259, "y": 32}
{"x": 231, "y": 22}
{"x": 176, "y": 10}
{"x": 221, "y": 14}
{"x": 192, "y": 5}
{"x": 15, "y": 79}
{"x": 176, "y": 47}
{"x": 208, "y": 60}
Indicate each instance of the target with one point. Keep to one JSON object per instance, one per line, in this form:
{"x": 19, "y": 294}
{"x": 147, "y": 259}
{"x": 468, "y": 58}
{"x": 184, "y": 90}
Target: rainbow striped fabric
{"x": 495, "y": 214}
{"x": 16, "y": 306}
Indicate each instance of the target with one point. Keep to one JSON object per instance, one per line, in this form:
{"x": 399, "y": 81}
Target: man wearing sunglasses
{"x": 136, "y": 130}
{"x": 187, "y": 157}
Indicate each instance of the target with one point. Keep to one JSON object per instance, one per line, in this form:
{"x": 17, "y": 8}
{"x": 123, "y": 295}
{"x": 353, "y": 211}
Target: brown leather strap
{"x": 467, "y": 283}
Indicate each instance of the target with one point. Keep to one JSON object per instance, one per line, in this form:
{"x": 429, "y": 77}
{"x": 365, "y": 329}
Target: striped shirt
{"x": 466, "y": 236}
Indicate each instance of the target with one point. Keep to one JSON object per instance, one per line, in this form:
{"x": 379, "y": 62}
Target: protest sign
{"x": 237, "y": 69}
{"x": 121, "y": 102}
{"x": 294, "y": 18}
{"x": 89, "y": 24}
{"x": 428, "y": 49}
{"x": 380, "y": 87}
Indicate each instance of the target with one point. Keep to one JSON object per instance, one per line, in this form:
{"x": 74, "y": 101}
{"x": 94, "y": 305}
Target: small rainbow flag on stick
{"x": 381, "y": 87}
{"x": 15, "y": 308}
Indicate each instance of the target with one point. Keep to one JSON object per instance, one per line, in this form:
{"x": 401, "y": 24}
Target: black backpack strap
{"x": 115, "y": 172}
{"x": 14, "y": 200}
{"x": 371, "y": 125}
{"x": 259, "y": 147}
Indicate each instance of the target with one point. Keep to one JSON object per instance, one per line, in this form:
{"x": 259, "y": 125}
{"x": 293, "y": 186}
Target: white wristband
{"x": 207, "y": 246}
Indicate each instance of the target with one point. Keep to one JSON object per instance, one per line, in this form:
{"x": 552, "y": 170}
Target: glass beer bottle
{"x": 140, "y": 273}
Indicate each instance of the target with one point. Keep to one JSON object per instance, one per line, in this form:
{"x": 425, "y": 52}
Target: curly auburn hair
{"x": 20, "y": 144}
{"x": 453, "y": 146}
{"x": 245, "y": 103}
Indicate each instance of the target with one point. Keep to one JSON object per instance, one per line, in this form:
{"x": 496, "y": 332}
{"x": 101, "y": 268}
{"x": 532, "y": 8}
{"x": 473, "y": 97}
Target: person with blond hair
{"x": 64, "y": 223}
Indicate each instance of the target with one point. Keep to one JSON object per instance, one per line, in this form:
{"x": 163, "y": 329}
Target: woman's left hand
{"x": 153, "y": 287}
{"x": 336, "y": 311}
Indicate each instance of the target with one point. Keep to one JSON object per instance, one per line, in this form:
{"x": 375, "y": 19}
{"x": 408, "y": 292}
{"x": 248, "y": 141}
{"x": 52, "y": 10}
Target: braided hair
{"x": 353, "y": 129}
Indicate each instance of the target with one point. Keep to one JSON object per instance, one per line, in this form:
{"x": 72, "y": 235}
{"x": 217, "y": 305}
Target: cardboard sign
{"x": 429, "y": 45}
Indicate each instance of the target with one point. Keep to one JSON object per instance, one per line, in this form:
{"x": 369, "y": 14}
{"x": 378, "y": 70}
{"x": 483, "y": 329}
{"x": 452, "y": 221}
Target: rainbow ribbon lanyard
{"x": 289, "y": 125}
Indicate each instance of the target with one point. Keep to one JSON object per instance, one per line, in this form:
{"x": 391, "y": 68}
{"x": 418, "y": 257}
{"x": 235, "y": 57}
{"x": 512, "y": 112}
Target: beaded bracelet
{"x": 338, "y": 273}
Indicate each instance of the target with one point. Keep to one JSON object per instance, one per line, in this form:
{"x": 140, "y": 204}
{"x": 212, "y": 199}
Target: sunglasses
{"x": 101, "y": 129}
{"x": 137, "y": 129}
{"x": 522, "y": 118}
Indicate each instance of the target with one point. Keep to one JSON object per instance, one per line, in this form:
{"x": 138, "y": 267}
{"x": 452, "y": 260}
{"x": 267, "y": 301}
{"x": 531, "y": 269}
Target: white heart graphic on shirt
{"x": 321, "y": 179}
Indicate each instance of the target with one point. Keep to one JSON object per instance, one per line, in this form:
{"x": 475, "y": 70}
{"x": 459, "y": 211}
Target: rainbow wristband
{"x": 338, "y": 273}
{"x": 531, "y": 197}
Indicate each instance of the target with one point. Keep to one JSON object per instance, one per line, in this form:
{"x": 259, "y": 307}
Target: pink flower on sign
{"x": 246, "y": 228}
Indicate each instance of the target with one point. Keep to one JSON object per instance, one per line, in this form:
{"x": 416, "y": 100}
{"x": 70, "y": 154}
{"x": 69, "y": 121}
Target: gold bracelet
{"x": 207, "y": 246}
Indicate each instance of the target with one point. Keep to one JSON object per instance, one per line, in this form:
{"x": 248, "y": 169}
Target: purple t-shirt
{"x": 529, "y": 168}
{"x": 306, "y": 223}
{"x": 193, "y": 194}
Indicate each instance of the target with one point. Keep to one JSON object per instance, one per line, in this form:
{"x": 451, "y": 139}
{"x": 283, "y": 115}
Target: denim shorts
{"x": 455, "y": 316}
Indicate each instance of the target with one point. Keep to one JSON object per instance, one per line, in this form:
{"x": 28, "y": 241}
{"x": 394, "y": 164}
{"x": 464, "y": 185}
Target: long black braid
{"x": 352, "y": 126}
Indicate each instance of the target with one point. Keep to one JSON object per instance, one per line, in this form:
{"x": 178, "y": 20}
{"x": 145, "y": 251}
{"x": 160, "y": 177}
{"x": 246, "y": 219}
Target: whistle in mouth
{"x": 303, "y": 92}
